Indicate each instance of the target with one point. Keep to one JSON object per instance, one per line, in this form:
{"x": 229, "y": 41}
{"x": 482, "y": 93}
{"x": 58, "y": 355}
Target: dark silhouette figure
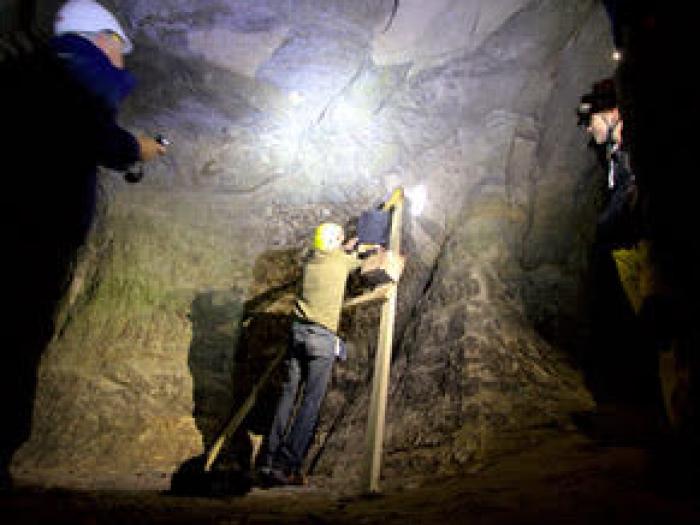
{"x": 60, "y": 101}
{"x": 234, "y": 342}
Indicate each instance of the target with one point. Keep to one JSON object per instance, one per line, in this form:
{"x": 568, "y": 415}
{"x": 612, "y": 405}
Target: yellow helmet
{"x": 328, "y": 236}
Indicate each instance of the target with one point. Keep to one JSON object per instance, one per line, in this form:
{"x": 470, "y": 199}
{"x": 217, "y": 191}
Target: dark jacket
{"x": 63, "y": 102}
{"x": 619, "y": 223}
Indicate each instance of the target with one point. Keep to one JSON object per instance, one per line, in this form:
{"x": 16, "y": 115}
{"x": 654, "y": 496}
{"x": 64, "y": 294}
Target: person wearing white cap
{"x": 90, "y": 21}
{"x": 90, "y": 18}
{"x": 59, "y": 113}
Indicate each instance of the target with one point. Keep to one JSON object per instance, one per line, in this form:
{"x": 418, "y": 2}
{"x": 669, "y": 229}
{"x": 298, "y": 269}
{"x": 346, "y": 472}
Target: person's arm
{"x": 380, "y": 293}
{"x": 116, "y": 148}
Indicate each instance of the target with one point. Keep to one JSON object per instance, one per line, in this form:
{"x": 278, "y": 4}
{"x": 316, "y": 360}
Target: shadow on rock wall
{"x": 234, "y": 343}
{"x": 215, "y": 321}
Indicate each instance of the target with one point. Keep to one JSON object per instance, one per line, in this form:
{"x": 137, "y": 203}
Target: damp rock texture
{"x": 284, "y": 113}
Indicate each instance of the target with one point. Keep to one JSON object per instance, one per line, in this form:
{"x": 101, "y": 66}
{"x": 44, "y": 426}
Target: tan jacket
{"x": 323, "y": 288}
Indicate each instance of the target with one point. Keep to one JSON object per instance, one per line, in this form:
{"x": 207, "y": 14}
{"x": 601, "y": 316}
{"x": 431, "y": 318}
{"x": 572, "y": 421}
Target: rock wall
{"x": 285, "y": 113}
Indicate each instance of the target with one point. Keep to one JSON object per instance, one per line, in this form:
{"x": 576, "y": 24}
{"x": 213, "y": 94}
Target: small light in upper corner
{"x": 616, "y": 55}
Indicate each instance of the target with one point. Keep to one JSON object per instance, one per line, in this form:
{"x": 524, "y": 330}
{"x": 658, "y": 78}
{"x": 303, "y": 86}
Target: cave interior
{"x": 527, "y": 384}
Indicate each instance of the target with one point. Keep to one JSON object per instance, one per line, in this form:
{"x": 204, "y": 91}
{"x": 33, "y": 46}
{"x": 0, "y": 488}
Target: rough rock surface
{"x": 285, "y": 113}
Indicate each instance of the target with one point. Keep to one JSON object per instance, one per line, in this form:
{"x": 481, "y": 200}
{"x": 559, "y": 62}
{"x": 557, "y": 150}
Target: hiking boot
{"x": 274, "y": 477}
{"x": 298, "y": 479}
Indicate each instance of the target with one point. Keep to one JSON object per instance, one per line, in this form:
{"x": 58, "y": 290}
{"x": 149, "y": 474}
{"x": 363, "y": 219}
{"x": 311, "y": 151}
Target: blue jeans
{"x": 309, "y": 360}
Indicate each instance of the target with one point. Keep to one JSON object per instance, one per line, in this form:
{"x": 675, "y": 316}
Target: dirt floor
{"x": 604, "y": 471}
